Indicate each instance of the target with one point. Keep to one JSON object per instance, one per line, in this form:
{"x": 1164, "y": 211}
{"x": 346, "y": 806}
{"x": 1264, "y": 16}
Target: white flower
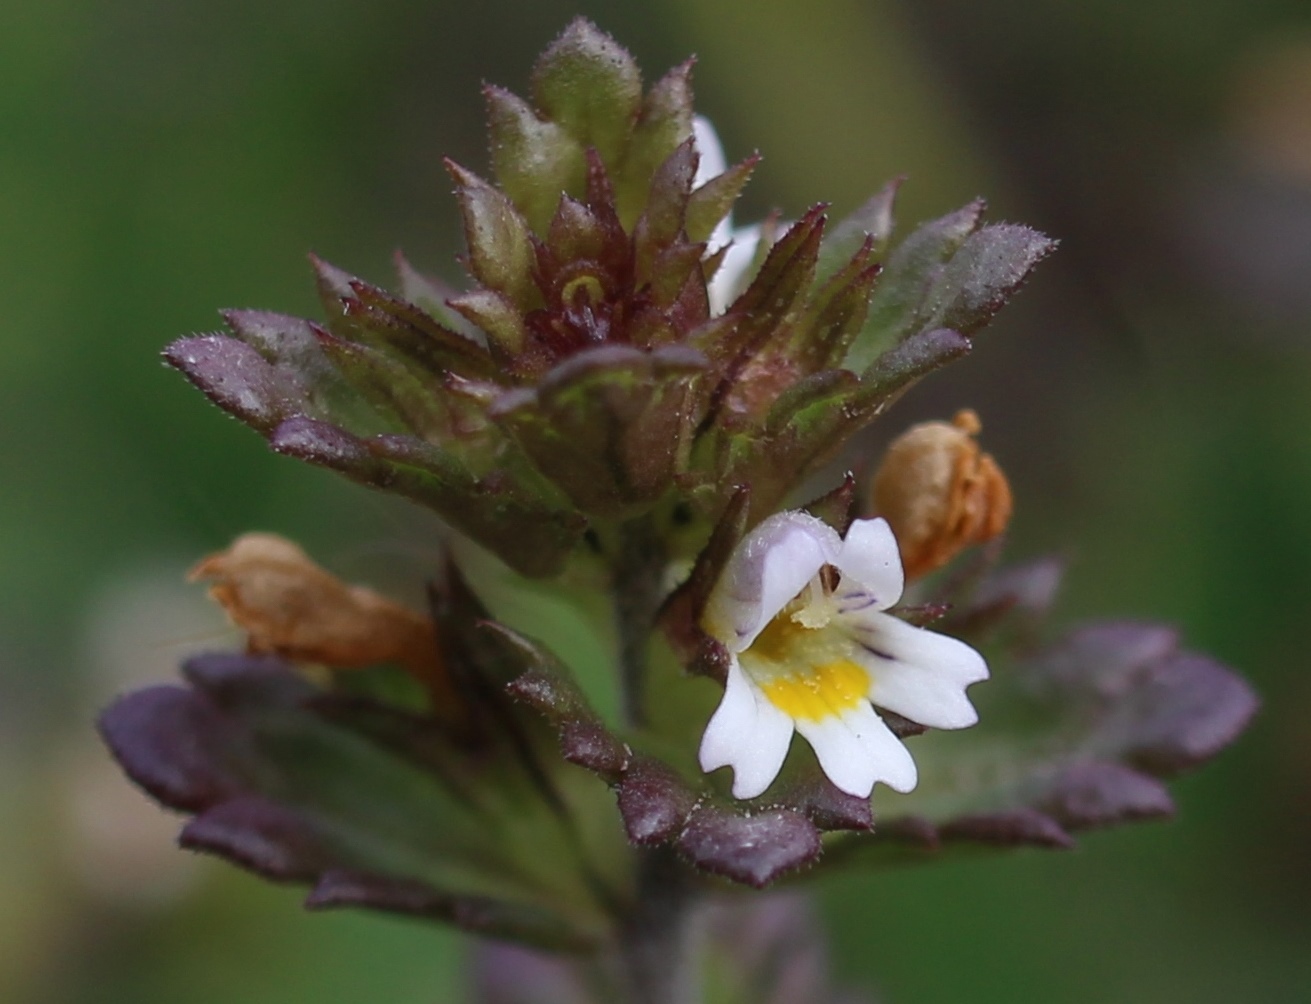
{"x": 800, "y": 611}
{"x": 742, "y": 242}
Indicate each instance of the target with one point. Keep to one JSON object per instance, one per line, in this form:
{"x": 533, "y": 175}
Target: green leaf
{"x": 403, "y": 330}
{"x": 661, "y": 223}
{"x": 576, "y": 233}
{"x": 361, "y": 312}
{"x": 430, "y": 294}
{"x": 497, "y": 318}
{"x": 988, "y": 269}
{"x": 390, "y": 386}
{"x": 895, "y": 308}
{"x": 834, "y": 314}
{"x": 764, "y": 313}
{"x": 664, "y": 122}
{"x": 714, "y": 200}
{"x": 609, "y": 426}
{"x": 588, "y": 83}
{"x": 671, "y": 271}
{"x": 786, "y": 272}
{"x": 505, "y": 510}
{"x": 533, "y": 160}
{"x": 500, "y": 250}
{"x": 872, "y": 223}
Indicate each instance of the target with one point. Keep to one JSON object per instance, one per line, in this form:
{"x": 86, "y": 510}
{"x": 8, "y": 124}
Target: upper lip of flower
{"x": 812, "y": 650}
{"x": 742, "y": 242}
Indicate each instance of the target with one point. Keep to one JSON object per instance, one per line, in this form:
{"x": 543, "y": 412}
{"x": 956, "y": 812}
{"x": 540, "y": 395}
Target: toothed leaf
{"x": 1079, "y": 735}
{"x": 896, "y": 305}
{"x": 982, "y": 275}
{"x": 295, "y": 797}
{"x": 238, "y": 379}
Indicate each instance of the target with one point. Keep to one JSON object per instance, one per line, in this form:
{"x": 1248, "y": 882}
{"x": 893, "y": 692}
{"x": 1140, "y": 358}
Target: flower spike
{"x": 625, "y": 401}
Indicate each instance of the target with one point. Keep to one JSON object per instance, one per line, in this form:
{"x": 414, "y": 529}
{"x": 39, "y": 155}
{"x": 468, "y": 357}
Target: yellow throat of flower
{"x": 801, "y": 664}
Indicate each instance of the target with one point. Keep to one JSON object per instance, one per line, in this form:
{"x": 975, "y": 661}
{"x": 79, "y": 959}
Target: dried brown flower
{"x": 940, "y": 492}
{"x": 290, "y": 606}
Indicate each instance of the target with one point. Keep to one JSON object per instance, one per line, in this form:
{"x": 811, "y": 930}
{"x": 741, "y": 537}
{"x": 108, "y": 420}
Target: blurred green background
{"x": 1149, "y": 393}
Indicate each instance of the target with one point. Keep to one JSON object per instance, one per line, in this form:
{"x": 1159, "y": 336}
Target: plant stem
{"x": 657, "y": 938}
{"x": 638, "y": 592}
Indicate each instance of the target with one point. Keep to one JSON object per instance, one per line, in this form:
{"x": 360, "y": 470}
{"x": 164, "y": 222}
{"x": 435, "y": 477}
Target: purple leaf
{"x": 1182, "y": 712}
{"x": 921, "y": 354}
{"x": 1013, "y": 828}
{"x": 654, "y": 802}
{"x": 300, "y": 785}
{"x": 897, "y": 303}
{"x": 508, "y": 974}
{"x": 530, "y": 534}
{"x": 1076, "y": 736}
{"x": 987, "y": 271}
{"x": 238, "y": 379}
{"x": 174, "y": 743}
{"x": 269, "y": 839}
{"x": 836, "y": 507}
{"x": 545, "y": 685}
{"x": 235, "y": 679}
{"x": 1098, "y": 793}
{"x": 749, "y": 847}
{"x": 828, "y": 807}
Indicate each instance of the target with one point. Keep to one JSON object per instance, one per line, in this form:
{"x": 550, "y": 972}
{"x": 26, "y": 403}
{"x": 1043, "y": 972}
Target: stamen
{"x": 828, "y": 577}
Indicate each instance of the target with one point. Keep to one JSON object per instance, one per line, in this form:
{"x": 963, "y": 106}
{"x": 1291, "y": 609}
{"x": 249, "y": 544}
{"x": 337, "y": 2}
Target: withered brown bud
{"x": 290, "y": 606}
{"x": 940, "y": 492}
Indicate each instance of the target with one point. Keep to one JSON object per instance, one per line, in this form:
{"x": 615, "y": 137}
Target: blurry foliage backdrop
{"x": 1150, "y": 394}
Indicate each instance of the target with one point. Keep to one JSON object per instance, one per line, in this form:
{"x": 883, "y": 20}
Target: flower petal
{"x": 729, "y": 281}
{"x": 917, "y": 673}
{"x": 713, "y": 162}
{"x": 870, "y": 565}
{"x": 856, "y": 749}
{"x": 747, "y": 733}
{"x": 770, "y": 566}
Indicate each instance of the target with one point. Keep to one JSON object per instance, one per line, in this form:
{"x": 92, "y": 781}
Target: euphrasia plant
{"x": 627, "y": 400}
